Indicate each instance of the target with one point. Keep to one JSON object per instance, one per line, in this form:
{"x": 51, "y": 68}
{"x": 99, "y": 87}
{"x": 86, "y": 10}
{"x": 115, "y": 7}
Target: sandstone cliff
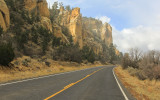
{"x": 66, "y": 27}
{"x": 40, "y": 7}
{"x": 4, "y": 15}
{"x": 85, "y": 31}
{"x": 99, "y": 33}
{"x": 75, "y": 26}
{"x": 106, "y": 34}
{"x": 73, "y": 21}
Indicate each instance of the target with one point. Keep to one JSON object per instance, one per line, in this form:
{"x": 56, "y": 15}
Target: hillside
{"x": 58, "y": 33}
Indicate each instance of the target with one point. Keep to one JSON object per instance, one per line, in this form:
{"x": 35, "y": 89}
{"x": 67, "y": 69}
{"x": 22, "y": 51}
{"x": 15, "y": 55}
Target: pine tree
{"x": 7, "y": 54}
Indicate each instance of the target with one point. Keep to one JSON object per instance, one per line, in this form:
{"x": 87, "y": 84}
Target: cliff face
{"x": 40, "y": 7}
{"x": 106, "y": 34}
{"x": 75, "y": 26}
{"x": 73, "y": 21}
{"x": 85, "y": 31}
{"x": 99, "y": 33}
{"x": 4, "y": 15}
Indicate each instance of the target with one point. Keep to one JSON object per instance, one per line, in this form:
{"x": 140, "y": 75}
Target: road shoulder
{"x": 126, "y": 91}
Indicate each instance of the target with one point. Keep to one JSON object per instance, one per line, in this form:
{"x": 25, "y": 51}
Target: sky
{"x": 135, "y": 23}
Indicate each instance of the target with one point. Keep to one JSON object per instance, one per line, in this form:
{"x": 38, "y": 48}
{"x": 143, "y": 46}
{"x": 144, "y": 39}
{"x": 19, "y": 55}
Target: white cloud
{"x": 145, "y": 38}
{"x": 104, "y": 19}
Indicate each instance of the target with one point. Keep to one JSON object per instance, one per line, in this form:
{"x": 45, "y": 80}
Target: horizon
{"x": 131, "y": 21}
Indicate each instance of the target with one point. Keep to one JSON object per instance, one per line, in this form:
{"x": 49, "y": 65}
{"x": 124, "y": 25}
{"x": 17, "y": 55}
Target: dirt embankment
{"x": 27, "y": 67}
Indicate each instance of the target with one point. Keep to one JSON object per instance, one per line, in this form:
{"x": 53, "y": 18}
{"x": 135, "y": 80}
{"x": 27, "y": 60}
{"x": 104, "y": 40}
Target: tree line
{"x": 144, "y": 65}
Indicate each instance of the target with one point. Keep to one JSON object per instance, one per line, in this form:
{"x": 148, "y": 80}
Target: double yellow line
{"x": 70, "y": 85}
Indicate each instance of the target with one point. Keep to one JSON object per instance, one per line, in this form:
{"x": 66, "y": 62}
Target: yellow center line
{"x": 70, "y": 85}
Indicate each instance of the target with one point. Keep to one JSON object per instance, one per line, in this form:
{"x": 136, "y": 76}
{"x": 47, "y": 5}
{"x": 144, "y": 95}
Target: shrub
{"x": 156, "y": 73}
{"x": 48, "y": 63}
{"x": 6, "y": 54}
{"x": 144, "y": 66}
{"x": 61, "y": 69}
{"x": 112, "y": 54}
{"x": 45, "y": 37}
{"x": 25, "y": 63}
{"x": 68, "y": 53}
{"x": 125, "y": 61}
{"x": 56, "y": 41}
{"x": 21, "y": 39}
{"x": 132, "y": 71}
{"x": 88, "y": 54}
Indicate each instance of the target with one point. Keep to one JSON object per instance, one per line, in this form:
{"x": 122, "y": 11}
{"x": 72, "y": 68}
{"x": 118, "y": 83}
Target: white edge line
{"x": 126, "y": 98}
{"x": 45, "y": 76}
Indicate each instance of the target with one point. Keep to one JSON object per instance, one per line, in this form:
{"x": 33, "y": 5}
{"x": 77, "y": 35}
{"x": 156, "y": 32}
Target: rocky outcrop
{"x": 4, "y": 15}
{"x": 46, "y": 22}
{"x": 107, "y": 34}
{"x": 58, "y": 33}
{"x": 75, "y": 26}
{"x": 97, "y": 32}
{"x": 31, "y": 5}
{"x": 40, "y": 7}
{"x": 85, "y": 31}
{"x": 73, "y": 21}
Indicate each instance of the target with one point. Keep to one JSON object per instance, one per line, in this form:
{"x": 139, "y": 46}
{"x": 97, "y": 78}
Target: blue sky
{"x": 135, "y": 23}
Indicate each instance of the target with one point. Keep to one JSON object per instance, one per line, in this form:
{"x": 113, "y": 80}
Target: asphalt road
{"x": 90, "y": 84}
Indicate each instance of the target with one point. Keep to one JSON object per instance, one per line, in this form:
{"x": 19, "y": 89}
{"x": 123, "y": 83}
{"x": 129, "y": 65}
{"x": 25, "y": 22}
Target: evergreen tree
{"x": 54, "y": 11}
{"x": 6, "y": 54}
{"x": 56, "y": 41}
{"x": 68, "y": 8}
{"x": 112, "y": 53}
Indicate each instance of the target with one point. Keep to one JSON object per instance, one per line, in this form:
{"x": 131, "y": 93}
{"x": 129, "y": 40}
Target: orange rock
{"x": 107, "y": 34}
{"x": 43, "y": 8}
{"x": 75, "y": 26}
{"x": 4, "y": 15}
{"x": 40, "y": 7}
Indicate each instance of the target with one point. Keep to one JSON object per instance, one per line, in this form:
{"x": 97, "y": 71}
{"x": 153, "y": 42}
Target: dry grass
{"x": 141, "y": 90}
{"x": 36, "y": 69}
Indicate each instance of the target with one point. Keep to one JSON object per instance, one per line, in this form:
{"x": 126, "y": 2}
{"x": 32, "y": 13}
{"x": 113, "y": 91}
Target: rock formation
{"x": 4, "y": 15}
{"x": 107, "y": 34}
{"x": 58, "y": 33}
{"x": 85, "y": 31}
{"x": 75, "y": 26}
{"x": 30, "y": 5}
{"x": 40, "y": 7}
{"x": 73, "y": 21}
